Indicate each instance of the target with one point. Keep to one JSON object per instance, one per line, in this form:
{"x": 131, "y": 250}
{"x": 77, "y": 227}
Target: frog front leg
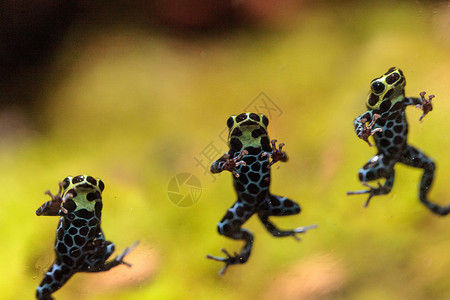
{"x": 53, "y": 207}
{"x": 230, "y": 226}
{"x": 422, "y": 103}
{"x": 364, "y": 131}
{"x": 417, "y": 159}
{"x": 228, "y": 163}
{"x": 280, "y": 206}
{"x": 99, "y": 252}
{"x": 277, "y": 154}
{"x": 377, "y": 167}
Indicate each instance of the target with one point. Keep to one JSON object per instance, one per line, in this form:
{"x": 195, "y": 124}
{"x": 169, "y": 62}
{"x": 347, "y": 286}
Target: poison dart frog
{"x": 249, "y": 160}
{"x": 387, "y": 123}
{"x": 80, "y": 245}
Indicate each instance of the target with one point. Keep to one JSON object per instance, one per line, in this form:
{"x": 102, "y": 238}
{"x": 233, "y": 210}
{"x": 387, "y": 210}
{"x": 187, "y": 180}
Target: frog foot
{"x": 426, "y": 105}
{"x": 367, "y": 131}
{"x": 372, "y": 191}
{"x": 58, "y": 196}
{"x": 277, "y": 153}
{"x": 52, "y": 207}
{"x": 119, "y": 258}
{"x": 302, "y": 230}
{"x": 231, "y": 163}
{"x": 229, "y": 260}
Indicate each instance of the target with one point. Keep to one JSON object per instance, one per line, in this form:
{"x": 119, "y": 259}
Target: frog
{"x": 250, "y": 157}
{"x": 386, "y": 121}
{"x": 80, "y": 244}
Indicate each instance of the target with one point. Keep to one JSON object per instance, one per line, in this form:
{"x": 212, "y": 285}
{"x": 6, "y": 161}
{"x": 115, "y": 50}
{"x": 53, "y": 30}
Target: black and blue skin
{"x": 385, "y": 119}
{"x": 80, "y": 245}
{"x": 249, "y": 160}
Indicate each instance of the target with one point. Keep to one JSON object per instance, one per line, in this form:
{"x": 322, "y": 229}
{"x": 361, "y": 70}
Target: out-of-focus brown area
{"x": 31, "y": 31}
{"x": 318, "y": 277}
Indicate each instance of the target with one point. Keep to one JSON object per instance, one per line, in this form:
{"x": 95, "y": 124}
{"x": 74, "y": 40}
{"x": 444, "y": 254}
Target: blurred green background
{"x": 137, "y": 93}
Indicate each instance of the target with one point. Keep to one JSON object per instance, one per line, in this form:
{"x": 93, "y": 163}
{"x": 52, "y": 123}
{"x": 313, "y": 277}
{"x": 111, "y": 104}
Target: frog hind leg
{"x": 415, "y": 158}
{"x": 56, "y": 276}
{"x": 230, "y": 226}
{"x": 280, "y": 206}
{"x": 95, "y": 261}
{"x": 379, "y": 166}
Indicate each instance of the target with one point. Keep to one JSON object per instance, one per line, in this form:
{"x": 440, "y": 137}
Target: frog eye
{"x": 378, "y": 87}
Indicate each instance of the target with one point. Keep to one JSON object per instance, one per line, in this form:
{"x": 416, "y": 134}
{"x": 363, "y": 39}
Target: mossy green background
{"x": 136, "y": 107}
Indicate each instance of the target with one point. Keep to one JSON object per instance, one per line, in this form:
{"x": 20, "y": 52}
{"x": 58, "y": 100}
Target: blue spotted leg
{"x": 379, "y": 166}
{"x": 249, "y": 158}
{"x": 417, "y": 159}
{"x": 280, "y": 206}
{"x": 80, "y": 244}
{"x": 230, "y": 226}
{"x": 386, "y": 116}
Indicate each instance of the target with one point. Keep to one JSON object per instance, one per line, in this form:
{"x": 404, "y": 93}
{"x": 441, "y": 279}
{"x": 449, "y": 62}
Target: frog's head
{"x": 386, "y": 90}
{"x": 248, "y": 130}
{"x": 86, "y": 191}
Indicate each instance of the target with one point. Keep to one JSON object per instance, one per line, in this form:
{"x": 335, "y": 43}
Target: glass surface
{"x": 139, "y": 95}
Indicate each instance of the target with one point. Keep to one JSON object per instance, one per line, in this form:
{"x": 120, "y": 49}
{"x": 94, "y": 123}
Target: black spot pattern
{"x": 392, "y": 141}
{"x": 252, "y": 186}
{"x": 249, "y": 160}
{"x": 235, "y": 144}
{"x": 101, "y": 185}
{"x": 254, "y": 176}
{"x": 236, "y": 132}
{"x": 241, "y": 117}
{"x": 255, "y": 166}
{"x": 388, "y": 133}
{"x": 254, "y": 117}
{"x": 79, "y": 244}
{"x": 70, "y": 205}
{"x": 91, "y": 180}
{"x": 78, "y": 179}
{"x": 258, "y": 132}
{"x": 252, "y": 151}
{"x": 388, "y": 94}
{"x": 98, "y": 209}
{"x": 385, "y": 105}
{"x": 265, "y": 121}
{"x": 93, "y": 196}
{"x": 265, "y": 144}
{"x": 68, "y": 240}
{"x": 66, "y": 183}
{"x": 84, "y": 214}
{"x": 392, "y": 78}
{"x": 373, "y": 99}
{"x": 230, "y": 122}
